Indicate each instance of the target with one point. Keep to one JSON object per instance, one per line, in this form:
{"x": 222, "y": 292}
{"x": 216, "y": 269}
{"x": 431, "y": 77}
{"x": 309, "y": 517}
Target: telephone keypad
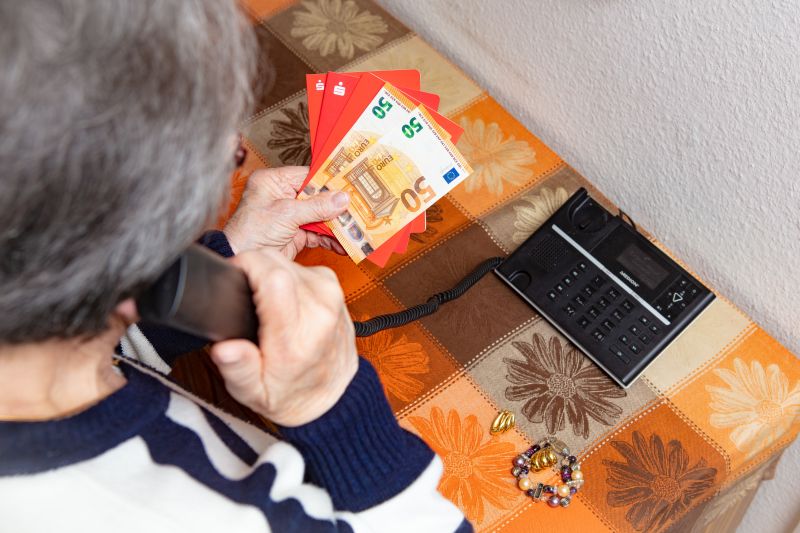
{"x": 620, "y": 355}
{"x": 607, "y": 309}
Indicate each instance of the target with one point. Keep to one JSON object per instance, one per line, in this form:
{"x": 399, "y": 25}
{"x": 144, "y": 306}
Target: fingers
{"x": 293, "y": 176}
{"x": 306, "y": 354}
{"x": 324, "y": 206}
{"x": 274, "y": 280}
{"x": 271, "y": 184}
{"x": 314, "y": 240}
{"x": 323, "y": 286}
{"x": 330, "y": 243}
{"x": 239, "y": 362}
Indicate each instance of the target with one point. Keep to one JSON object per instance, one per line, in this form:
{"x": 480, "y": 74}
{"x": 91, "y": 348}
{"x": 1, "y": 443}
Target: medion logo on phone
{"x": 629, "y": 279}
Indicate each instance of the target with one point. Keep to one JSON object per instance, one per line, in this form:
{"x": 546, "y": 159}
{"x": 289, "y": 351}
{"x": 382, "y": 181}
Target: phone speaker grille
{"x": 548, "y": 252}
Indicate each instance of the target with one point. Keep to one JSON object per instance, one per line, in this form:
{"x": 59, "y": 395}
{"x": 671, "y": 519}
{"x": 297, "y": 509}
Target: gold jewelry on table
{"x": 544, "y": 458}
{"x": 549, "y": 453}
{"x": 504, "y": 421}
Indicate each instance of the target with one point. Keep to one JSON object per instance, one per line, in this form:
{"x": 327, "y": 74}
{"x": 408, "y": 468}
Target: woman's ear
{"x": 127, "y": 311}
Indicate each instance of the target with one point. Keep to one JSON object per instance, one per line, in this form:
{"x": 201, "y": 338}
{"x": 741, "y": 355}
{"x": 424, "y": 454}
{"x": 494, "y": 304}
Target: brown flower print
{"x": 654, "y": 481}
{"x": 433, "y": 215}
{"x": 398, "y": 363}
{"x": 475, "y": 468}
{"x": 558, "y": 384}
{"x": 290, "y": 136}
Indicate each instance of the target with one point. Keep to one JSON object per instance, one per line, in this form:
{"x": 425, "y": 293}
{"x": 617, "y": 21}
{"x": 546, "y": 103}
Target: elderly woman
{"x": 117, "y": 133}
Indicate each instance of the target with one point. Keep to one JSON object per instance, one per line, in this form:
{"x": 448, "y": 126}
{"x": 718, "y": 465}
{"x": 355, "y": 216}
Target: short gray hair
{"x": 117, "y": 133}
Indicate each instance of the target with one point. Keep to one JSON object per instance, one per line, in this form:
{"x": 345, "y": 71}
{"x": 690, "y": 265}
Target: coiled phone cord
{"x": 401, "y": 318}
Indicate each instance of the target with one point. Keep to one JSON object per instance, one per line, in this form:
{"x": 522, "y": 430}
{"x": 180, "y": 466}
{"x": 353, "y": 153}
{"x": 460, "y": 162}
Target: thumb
{"x": 323, "y": 206}
{"x": 239, "y": 362}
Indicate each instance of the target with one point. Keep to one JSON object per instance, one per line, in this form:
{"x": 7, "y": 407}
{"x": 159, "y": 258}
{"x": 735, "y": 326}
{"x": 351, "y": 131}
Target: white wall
{"x": 686, "y": 113}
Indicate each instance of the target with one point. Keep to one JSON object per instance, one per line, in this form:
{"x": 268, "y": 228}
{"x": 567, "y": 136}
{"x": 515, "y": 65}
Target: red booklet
{"x": 335, "y": 101}
{"x": 328, "y": 95}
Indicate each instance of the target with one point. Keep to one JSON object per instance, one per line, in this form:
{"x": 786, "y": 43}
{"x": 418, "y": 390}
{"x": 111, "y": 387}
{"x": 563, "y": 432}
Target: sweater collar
{"x": 33, "y": 447}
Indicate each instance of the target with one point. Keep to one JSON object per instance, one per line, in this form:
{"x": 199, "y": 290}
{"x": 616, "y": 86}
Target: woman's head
{"x": 117, "y": 124}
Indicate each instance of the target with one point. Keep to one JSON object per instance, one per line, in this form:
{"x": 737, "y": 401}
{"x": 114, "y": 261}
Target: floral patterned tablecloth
{"x": 684, "y": 448}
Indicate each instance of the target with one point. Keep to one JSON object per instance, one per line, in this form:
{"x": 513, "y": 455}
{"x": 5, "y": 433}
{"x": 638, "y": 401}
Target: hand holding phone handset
{"x": 305, "y": 354}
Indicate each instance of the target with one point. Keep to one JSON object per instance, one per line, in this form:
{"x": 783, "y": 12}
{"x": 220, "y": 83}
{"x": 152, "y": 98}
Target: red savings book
{"x": 328, "y": 95}
{"x": 334, "y": 89}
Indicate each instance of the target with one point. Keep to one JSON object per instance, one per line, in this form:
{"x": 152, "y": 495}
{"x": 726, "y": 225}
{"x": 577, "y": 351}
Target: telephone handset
{"x": 202, "y": 294}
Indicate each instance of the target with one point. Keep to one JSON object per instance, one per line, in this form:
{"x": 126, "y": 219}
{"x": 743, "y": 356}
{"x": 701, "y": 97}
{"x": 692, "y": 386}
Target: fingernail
{"x": 228, "y": 356}
{"x": 341, "y": 199}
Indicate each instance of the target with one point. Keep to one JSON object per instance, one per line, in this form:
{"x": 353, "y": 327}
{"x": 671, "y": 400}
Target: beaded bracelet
{"x": 543, "y": 455}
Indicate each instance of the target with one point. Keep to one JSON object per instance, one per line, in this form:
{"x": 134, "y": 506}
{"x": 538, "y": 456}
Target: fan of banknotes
{"x": 376, "y": 136}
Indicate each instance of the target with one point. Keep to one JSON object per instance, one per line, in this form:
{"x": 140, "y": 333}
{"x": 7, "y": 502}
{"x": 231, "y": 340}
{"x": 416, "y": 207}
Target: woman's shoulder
{"x": 206, "y": 420}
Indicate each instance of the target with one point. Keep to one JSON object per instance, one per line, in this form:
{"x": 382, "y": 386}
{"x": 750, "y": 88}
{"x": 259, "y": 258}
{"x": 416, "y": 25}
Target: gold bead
{"x": 524, "y": 483}
{"x": 563, "y": 491}
{"x": 577, "y": 475}
{"x": 542, "y": 459}
{"x": 502, "y": 422}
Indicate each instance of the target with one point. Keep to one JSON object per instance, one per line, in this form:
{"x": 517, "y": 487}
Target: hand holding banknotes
{"x": 269, "y": 215}
{"x": 388, "y": 148}
{"x": 306, "y": 354}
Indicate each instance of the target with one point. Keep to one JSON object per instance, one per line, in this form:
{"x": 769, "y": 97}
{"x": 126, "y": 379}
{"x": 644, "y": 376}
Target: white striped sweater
{"x": 152, "y": 458}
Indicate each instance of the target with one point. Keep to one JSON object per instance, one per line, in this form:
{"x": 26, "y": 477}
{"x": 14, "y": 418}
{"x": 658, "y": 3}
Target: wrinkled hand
{"x": 306, "y": 355}
{"x": 269, "y": 215}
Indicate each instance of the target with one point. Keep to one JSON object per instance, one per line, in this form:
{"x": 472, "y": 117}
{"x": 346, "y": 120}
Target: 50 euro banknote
{"x": 388, "y": 110}
{"x": 393, "y": 181}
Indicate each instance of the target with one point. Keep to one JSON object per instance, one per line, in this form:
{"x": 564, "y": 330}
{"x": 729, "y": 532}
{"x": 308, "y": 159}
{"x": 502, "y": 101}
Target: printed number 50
{"x": 412, "y": 127}
{"x": 411, "y": 198}
{"x": 381, "y": 109}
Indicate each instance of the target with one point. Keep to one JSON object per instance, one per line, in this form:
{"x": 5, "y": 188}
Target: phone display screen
{"x": 642, "y": 266}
